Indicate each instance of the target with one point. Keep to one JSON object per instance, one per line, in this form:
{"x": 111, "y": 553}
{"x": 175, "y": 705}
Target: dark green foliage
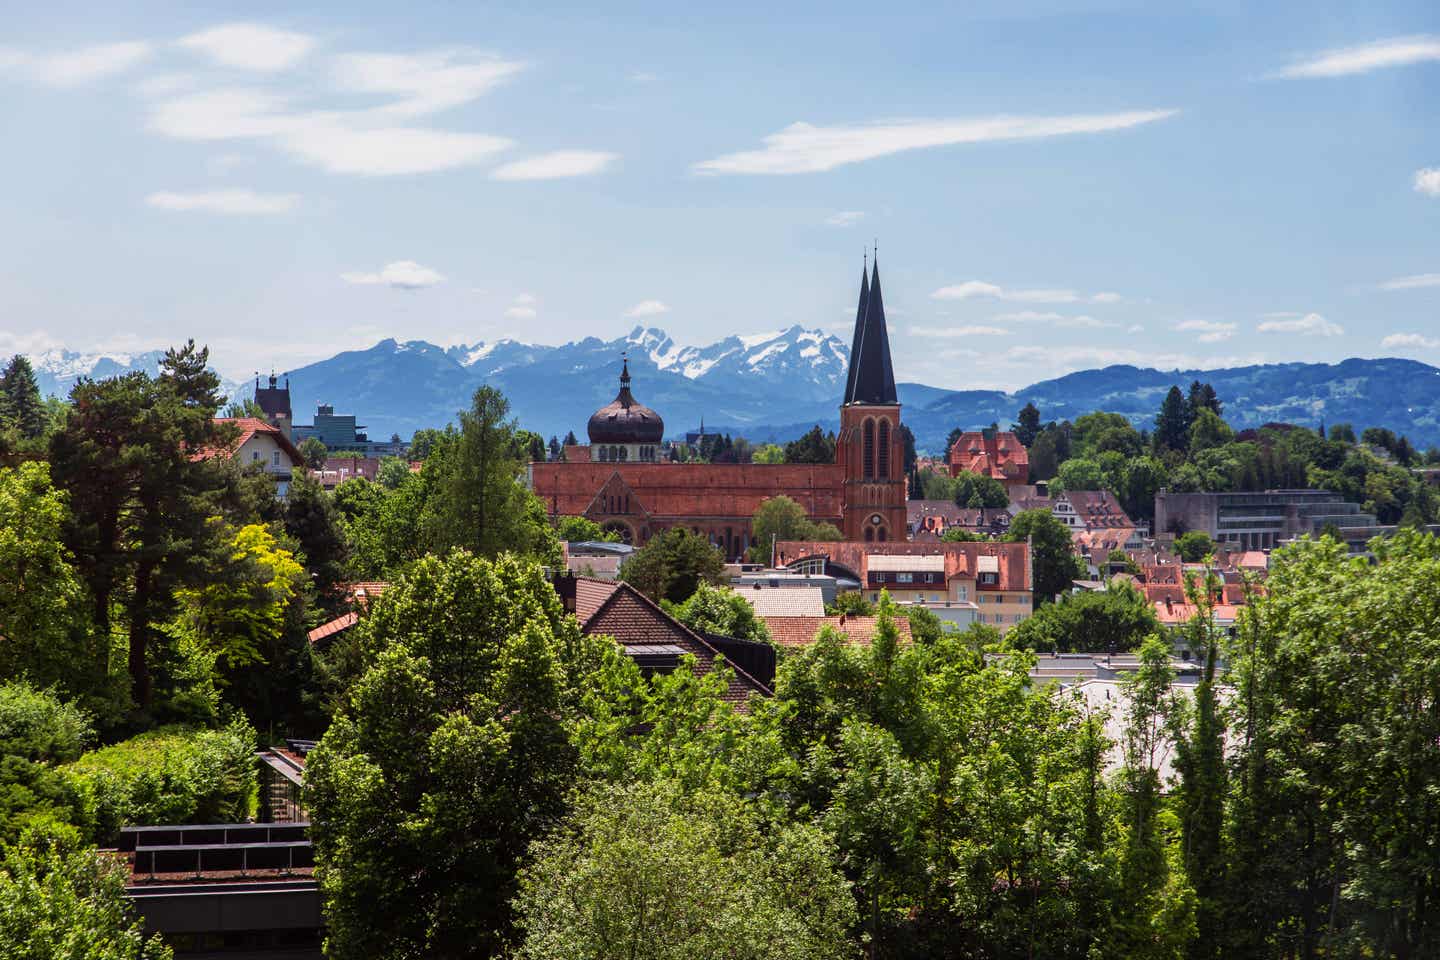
{"x": 1172, "y": 423}
{"x": 673, "y": 565}
{"x": 975, "y": 490}
{"x": 780, "y": 518}
{"x": 21, "y": 408}
{"x": 448, "y": 758}
{"x": 1028, "y": 426}
{"x": 581, "y": 529}
{"x": 314, "y": 452}
{"x": 815, "y": 446}
{"x": 1194, "y": 546}
{"x": 61, "y": 901}
{"x": 1053, "y": 564}
{"x": 1113, "y": 620}
{"x": 424, "y": 441}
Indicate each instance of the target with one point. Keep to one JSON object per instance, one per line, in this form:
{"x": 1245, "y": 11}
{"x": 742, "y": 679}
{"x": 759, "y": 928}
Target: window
{"x": 884, "y": 450}
{"x": 275, "y": 458}
{"x": 904, "y": 578}
{"x": 962, "y": 594}
{"x": 989, "y": 579}
{"x": 869, "y": 534}
{"x": 869, "y": 449}
{"x": 880, "y": 535}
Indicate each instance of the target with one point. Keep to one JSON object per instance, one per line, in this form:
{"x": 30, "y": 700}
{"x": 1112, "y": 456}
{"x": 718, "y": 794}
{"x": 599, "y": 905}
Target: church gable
{"x": 616, "y": 499}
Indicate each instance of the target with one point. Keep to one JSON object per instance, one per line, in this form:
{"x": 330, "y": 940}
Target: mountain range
{"x": 774, "y": 386}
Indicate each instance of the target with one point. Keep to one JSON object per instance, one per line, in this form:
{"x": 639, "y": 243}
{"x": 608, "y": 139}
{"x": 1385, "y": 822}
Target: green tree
{"x": 1172, "y": 424}
{"x": 472, "y": 674}
{"x": 1100, "y": 432}
{"x": 244, "y": 407}
{"x": 815, "y": 446}
{"x": 477, "y": 500}
{"x": 581, "y": 529}
{"x": 1209, "y": 431}
{"x": 722, "y": 611}
{"x": 673, "y": 564}
{"x": 59, "y": 900}
{"x": 1078, "y": 474}
{"x": 424, "y": 441}
{"x": 1144, "y": 477}
{"x": 311, "y": 519}
{"x": 780, "y": 518}
{"x": 1028, "y": 427}
{"x": 20, "y": 403}
{"x": 141, "y": 500}
{"x": 768, "y": 453}
{"x": 314, "y": 452}
{"x": 644, "y": 872}
{"x": 42, "y": 604}
{"x": 392, "y": 472}
{"x": 977, "y": 490}
{"x": 1194, "y": 546}
{"x": 1053, "y": 565}
{"x": 1112, "y": 620}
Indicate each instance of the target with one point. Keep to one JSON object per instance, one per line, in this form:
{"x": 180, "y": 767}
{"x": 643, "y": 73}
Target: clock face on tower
{"x": 876, "y": 519}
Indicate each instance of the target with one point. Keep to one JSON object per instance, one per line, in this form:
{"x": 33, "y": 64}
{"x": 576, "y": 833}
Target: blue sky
{"x": 1053, "y": 185}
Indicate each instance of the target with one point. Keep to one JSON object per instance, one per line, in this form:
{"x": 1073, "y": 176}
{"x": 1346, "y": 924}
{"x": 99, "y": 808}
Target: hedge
{"x": 169, "y": 775}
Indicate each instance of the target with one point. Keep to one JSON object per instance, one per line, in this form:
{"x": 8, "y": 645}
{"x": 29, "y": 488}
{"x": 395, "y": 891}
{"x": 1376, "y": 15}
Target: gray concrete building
{"x": 1263, "y": 520}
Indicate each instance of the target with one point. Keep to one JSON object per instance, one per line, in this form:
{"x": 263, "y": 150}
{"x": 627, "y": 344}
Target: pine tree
{"x": 20, "y": 403}
{"x": 1028, "y": 427}
{"x": 1172, "y": 426}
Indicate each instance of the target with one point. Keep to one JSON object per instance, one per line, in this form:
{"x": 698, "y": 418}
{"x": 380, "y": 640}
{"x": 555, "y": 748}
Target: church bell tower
{"x": 870, "y": 445}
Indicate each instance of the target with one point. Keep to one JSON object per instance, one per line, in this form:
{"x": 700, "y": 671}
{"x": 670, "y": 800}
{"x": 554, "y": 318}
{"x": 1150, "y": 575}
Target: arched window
{"x": 869, "y": 449}
{"x": 884, "y": 472}
{"x": 623, "y": 453}
{"x": 880, "y": 535}
{"x": 604, "y": 454}
{"x": 869, "y": 534}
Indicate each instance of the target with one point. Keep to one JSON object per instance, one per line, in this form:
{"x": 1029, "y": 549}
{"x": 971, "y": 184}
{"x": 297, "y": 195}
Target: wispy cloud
{"x": 806, "y": 148}
{"x": 225, "y": 201}
{"x": 1365, "y": 57}
{"x": 525, "y": 298}
{"x": 1311, "y": 324}
{"x": 1416, "y": 282}
{"x": 421, "y": 83}
{"x": 844, "y": 218}
{"x": 975, "y": 289}
{"x": 1403, "y": 340}
{"x": 250, "y": 46}
{"x": 1092, "y": 323}
{"x": 401, "y": 274}
{"x": 977, "y": 330}
{"x": 74, "y": 68}
{"x": 520, "y": 313}
{"x": 1210, "y": 331}
{"x": 1427, "y": 181}
{"x": 1028, "y": 316}
{"x": 1106, "y": 296}
{"x": 648, "y": 308}
{"x": 555, "y": 166}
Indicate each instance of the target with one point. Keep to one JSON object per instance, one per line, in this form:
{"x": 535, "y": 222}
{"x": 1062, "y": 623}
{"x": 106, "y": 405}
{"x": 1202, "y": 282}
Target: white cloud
{"x": 1403, "y": 340}
{"x": 966, "y": 331}
{"x": 1093, "y": 323}
{"x": 1135, "y": 328}
{"x": 1345, "y": 61}
{"x": 647, "y": 308}
{"x": 1211, "y": 331}
{"x": 1063, "y": 359}
{"x": 1417, "y": 282}
{"x": 805, "y": 148}
{"x": 844, "y": 218}
{"x": 643, "y": 76}
{"x": 525, "y": 298}
{"x": 425, "y": 83}
{"x": 165, "y": 84}
{"x": 1028, "y": 316}
{"x": 225, "y": 201}
{"x": 225, "y": 163}
{"x": 388, "y": 151}
{"x": 978, "y": 288}
{"x": 1311, "y": 324}
{"x": 520, "y": 313}
{"x": 250, "y": 46}
{"x": 1427, "y": 181}
{"x": 555, "y": 165}
{"x": 401, "y": 274}
{"x": 77, "y": 67}
{"x": 1106, "y": 296}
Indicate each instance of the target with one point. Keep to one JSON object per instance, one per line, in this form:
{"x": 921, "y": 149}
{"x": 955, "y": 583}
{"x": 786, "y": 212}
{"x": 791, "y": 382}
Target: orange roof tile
{"x": 802, "y": 631}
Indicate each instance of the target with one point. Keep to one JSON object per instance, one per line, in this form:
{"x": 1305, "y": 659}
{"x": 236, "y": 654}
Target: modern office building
{"x": 1262, "y": 520}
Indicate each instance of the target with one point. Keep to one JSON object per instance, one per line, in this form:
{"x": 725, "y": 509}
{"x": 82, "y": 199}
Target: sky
{"x": 1052, "y": 186}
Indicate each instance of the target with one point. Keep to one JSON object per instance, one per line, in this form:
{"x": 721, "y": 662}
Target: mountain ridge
{"x": 772, "y": 386}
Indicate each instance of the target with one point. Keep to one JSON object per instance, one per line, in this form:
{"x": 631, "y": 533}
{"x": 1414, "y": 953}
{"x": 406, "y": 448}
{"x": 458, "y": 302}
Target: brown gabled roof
{"x": 999, "y": 455}
{"x": 802, "y": 631}
{"x": 961, "y": 559}
{"x": 617, "y": 610}
{"x": 340, "y": 624}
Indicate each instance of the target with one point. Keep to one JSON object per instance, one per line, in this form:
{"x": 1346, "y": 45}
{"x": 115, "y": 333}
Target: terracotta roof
{"x": 1253, "y": 560}
{"x": 1097, "y": 508}
{"x": 247, "y": 428}
{"x": 961, "y": 559}
{"x": 786, "y": 601}
{"x": 802, "y": 631}
{"x": 1174, "y": 614}
{"x": 998, "y": 455}
{"x": 340, "y": 624}
{"x": 619, "y": 611}
{"x": 358, "y": 593}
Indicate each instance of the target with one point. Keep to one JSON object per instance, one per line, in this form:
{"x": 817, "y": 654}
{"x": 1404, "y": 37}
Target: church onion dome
{"x": 623, "y": 420}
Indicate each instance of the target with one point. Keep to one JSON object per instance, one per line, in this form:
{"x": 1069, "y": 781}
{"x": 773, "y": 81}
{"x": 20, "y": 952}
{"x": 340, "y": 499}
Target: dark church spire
{"x": 871, "y": 378}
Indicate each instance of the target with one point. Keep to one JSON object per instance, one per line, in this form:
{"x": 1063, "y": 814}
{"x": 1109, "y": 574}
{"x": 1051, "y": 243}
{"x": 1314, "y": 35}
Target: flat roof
{"x": 889, "y": 562}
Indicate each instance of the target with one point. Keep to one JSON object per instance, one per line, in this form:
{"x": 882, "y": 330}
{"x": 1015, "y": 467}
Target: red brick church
{"x": 621, "y": 482}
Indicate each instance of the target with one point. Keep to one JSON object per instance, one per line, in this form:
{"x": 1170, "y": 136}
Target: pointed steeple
{"x": 871, "y": 378}
{"x": 859, "y": 323}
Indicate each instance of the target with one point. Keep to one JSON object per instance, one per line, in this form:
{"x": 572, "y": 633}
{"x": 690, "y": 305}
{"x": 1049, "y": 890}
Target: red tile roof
{"x": 961, "y": 559}
{"x": 247, "y": 428}
{"x": 617, "y": 610}
{"x": 340, "y": 624}
{"x": 1097, "y": 508}
{"x": 1000, "y": 455}
{"x": 802, "y": 631}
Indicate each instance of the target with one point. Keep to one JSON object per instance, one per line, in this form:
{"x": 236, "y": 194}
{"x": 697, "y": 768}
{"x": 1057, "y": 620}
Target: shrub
{"x": 169, "y": 775}
{"x": 38, "y": 725}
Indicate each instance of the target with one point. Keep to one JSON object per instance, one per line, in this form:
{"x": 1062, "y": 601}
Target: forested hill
{"x": 775, "y": 386}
